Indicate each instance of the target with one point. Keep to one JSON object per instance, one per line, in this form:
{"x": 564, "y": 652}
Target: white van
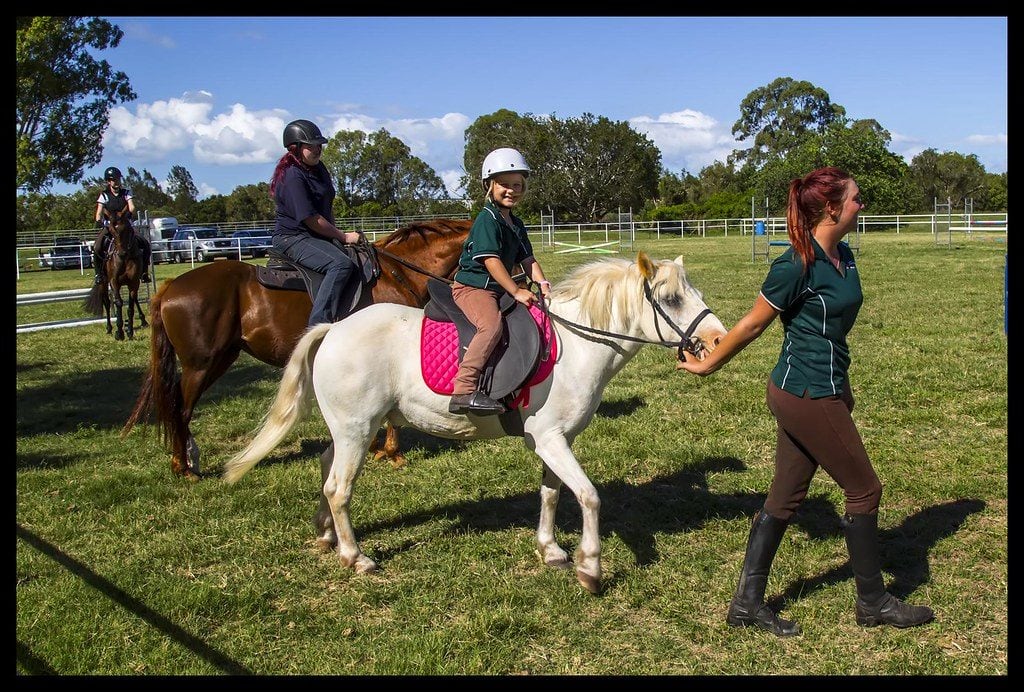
{"x": 161, "y": 231}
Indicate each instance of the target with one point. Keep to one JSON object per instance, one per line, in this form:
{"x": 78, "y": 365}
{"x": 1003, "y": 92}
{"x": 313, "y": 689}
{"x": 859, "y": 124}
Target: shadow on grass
{"x": 105, "y": 398}
{"x": 681, "y": 502}
{"x": 903, "y": 549}
{"x": 33, "y": 663}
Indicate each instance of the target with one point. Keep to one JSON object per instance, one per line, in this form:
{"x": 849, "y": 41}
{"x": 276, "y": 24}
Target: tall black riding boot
{"x": 875, "y": 605}
{"x": 748, "y": 606}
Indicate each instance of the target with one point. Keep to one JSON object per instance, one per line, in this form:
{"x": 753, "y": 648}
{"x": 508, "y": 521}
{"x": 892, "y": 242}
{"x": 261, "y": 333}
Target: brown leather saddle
{"x": 516, "y": 356}
{"x": 281, "y": 273}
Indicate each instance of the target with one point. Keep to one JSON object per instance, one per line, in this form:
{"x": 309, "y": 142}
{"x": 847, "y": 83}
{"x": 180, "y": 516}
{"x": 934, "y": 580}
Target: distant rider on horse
{"x": 114, "y": 198}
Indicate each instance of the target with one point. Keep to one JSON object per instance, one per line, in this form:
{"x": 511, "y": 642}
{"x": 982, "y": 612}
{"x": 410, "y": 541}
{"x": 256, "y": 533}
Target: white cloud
{"x": 687, "y": 139}
{"x": 142, "y": 32}
{"x": 987, "y": 140}
{"x": 240, "y": 136}
{"x": 157, "y": 132}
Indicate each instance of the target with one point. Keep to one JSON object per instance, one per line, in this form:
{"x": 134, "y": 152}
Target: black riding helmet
{"x": 112, "y": 173}
{"x": 302, "y": 131}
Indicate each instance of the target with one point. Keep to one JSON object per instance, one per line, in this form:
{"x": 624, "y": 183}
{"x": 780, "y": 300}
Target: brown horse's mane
{"x": 420, "y": 229}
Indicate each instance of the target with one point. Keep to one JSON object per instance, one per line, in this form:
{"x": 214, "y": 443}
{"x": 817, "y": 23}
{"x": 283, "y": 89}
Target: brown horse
{"x": 124, "y": 269}
{"x": 208, "y": 315}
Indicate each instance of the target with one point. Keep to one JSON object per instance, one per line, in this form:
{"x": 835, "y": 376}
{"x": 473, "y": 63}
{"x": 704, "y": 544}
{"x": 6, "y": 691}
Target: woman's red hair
{"x": 286, "y": 162}
{"x": 806, "y": 206}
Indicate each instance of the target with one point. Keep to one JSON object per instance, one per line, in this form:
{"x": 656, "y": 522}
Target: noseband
{"x": 687, "y": 342}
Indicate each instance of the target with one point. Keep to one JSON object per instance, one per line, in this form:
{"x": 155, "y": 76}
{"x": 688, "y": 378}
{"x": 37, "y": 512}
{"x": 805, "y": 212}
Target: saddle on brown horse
{"x": 284, "y": 274}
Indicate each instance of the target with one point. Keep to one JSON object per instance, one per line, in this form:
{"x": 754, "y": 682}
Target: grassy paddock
{"x": 122, "y": 569}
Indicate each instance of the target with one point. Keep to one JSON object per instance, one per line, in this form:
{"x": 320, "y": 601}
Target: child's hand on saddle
{"x": 525, "y": 296}
{"x": 354, "y": 237}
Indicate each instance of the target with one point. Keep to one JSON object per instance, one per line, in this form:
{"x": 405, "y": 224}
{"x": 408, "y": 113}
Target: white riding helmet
{"x": 504, "y": 160}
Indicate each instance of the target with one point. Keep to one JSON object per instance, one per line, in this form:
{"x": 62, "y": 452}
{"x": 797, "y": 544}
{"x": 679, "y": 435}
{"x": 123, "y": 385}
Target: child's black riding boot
{"x": 875, "y": 605}
{"x": 748, "y": 606}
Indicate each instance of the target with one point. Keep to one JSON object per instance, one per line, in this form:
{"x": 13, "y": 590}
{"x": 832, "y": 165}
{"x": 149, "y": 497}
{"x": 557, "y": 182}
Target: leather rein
{"x": 687, "y": 342}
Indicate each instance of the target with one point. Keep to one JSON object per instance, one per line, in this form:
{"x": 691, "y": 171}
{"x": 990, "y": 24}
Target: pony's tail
{"x": 93, "y": 303}
{"x": 291, "y": 405}
{"x": 161, "y": 385}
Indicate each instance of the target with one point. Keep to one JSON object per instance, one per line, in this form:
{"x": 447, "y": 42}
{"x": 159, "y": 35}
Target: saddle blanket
{"x": 439, "y": 353}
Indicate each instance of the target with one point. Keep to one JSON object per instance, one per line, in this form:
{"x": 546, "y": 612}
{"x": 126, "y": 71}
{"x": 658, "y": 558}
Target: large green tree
{"x": 778, "y": 118}
{"x": 582, "y": 168}
{"x": 949, "y": 175}
{"x": 599, "y": 166}
{"x": 377, "y": 173}
{"x": 250, "y": 203}
{"x": 63, "y": 97}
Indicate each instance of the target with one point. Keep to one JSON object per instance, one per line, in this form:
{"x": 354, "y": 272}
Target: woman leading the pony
{"x": 114, "y": 198}
{"x": 305, "y": 232}
{"x": 496, "y": 242}
{"x": 815, "y": 289}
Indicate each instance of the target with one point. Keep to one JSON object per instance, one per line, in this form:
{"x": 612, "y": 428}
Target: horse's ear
{"x": 646, "y": 265}
{"x": 679, "y": 260}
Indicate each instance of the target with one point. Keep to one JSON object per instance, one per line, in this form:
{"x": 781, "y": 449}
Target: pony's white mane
{"x": 610, "y": 291}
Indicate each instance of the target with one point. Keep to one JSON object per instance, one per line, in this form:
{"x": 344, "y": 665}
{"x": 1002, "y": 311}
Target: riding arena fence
{"x": 579, "y": 238}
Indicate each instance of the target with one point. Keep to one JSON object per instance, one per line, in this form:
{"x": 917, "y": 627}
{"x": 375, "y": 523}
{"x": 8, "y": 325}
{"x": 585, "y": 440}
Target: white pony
{"x": 366, "y": 369}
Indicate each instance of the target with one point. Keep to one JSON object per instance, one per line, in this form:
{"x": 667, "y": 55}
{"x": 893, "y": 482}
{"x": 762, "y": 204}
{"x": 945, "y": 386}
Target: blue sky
{"x": 215, "y": 93}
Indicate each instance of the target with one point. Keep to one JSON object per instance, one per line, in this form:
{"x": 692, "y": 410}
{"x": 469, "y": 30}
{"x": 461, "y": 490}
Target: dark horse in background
{"x": 123, "y": 265}
{"x": 208, "y": 315}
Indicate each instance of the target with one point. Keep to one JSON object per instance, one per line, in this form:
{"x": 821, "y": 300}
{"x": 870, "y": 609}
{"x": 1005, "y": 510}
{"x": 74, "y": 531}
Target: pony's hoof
{"x": 326, "y": 544}
{"x": 589, "y": 582}
{"x": 364, "y": 565}
{"x": 555, "y": 561}
{"x": 398, "y": 461}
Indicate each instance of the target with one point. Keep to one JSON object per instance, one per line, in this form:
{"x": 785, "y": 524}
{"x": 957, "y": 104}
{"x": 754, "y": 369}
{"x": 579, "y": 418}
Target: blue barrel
{"x": 759, "y": 228}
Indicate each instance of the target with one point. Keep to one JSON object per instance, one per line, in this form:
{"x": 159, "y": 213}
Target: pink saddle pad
{"x": 439, "y": 354}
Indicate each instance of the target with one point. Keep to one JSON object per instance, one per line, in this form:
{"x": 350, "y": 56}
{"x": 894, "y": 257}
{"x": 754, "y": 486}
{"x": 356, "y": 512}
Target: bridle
{"x": 687, "y": 342}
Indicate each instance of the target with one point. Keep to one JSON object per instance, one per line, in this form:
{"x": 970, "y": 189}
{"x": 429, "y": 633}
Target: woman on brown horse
{"x": 305, "y": 231}
{"x": 114, "y": 199}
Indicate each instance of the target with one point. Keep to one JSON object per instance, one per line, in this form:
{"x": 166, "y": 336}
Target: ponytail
{"x": 805, "y": 206}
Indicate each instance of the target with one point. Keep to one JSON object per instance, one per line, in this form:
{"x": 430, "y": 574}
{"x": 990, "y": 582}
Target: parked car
{"x": 70, "y": 253}
{"x": 200, "y": 244}
{"x": 254, "y": 242}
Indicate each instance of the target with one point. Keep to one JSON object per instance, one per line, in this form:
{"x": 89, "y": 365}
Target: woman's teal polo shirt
{"x": 817, "y": 310}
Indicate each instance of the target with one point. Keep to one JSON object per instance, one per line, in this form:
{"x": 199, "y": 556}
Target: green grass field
{"x": 123, "y": 569}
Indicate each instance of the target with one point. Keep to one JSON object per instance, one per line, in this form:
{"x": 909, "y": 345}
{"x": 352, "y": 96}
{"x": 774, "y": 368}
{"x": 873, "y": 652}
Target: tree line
{"x": 586, "y": 168}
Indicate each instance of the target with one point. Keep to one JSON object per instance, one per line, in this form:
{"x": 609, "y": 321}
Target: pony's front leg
{"x": 348, "y": 460}
{"x": 548, "y": 549}
{"x": 554, "y": 450}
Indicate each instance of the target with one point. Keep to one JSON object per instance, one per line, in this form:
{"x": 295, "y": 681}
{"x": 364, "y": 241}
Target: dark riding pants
{"x": 321, "y": 255}
{"x": 813, "y": 433}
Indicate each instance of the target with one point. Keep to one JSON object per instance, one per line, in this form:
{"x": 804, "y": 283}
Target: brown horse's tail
{"x": 161, "y": 386}
{"x": 93, "y": 303}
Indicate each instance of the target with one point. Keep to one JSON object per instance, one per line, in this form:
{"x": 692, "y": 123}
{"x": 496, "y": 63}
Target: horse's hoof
{"x": 398, "y": 461}
{"x": 119, "y": 336}
{"x": 589, "y": 582}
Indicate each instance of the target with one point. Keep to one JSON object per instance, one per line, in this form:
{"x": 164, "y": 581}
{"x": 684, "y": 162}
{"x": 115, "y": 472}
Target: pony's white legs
{"x": 554, "y": 450}
{"x": 323, "y": 522}
{"x": 348, "y": 461}
{"x": 547, "y": 548}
